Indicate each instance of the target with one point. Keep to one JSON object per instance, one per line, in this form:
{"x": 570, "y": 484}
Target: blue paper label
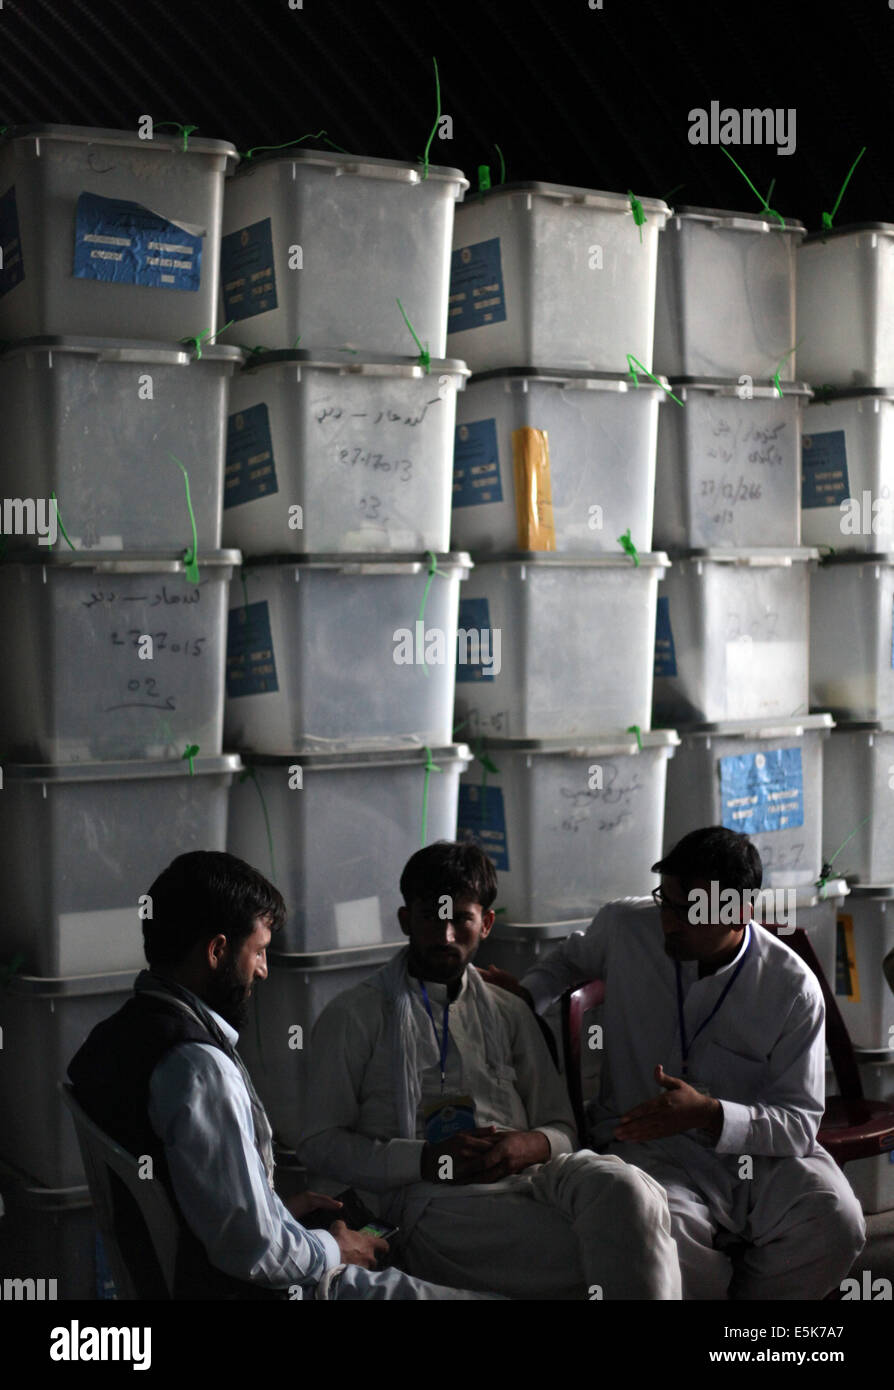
{"x": 247, "y": 274}
{"x": 762, "y": 791}
{"x": 131, "y": 245}
{"x": 665, "y": 655}
{"x": 474, "y": 641}
{"x": 823, "y": 469}
{"x": 251, "y": 468}
{"x": 476, "y": 464}
{"x": 481, "y": 817}
{"x": 12, "y": 270}
{"x": 476, "y": 286}
{"x": 251, "y": 666}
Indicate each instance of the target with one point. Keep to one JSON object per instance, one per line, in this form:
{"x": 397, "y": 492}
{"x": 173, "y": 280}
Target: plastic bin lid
{"x": 882, "y": 891}
{"x": 727, "y": 215}
{"x": 120, "y": 561}
{"x": 71, "y": 986}
{"x": 136, "y": 770}
{"x": 592, "y": 197}
{"x": 755, "y": 728}
{"x": 806, "y": 894}
{"x": 754, "y": 556}
{"x": 730, "y": 386}
{"x": 571, "y": 560}
{"x": 316, "y": 758}
{"x": 366, "y": 166}
{"x": 864, "y": 726}
{"x": 824, "y": 394}
{"x": 582, "y": 746}
{"x": 101, "y": 135}
{"x": 885, "y": 228}
{"x": 858, "y": 557}
{"x": 354, "y": 561}
{"x": 599, "y": 381}
{"x": 126, "y": 350}
{"x": 335, "y": 960}
{"x": 358, "y": 363}
{"x": 538, "y": 931}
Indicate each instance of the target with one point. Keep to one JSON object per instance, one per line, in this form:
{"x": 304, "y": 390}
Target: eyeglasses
{"x": 661, "y": 901}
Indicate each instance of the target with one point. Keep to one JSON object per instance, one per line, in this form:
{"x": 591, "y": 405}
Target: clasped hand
{"x": 483, "y": 1155}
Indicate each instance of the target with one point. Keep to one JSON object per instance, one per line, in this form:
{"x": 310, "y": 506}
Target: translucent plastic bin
{"x": 845, "y": 290}
{"x": 865, "y": 938}
{"x": 73, "y": 687}
{"x": 293, "y": 996}
{"x": 342, "y": 828}
{"x": 320, "y": 245}
{"x": 554, "y": 461}
{"x": 568, "y": 646}
{"x": 859, "y": 800}
{"x": 44, "y": 1022}
{"x": 847, "y": 453}
{"x": 552, "y": 275}
{"x": 96, "y": 421}
{"x": 569, "y": 827}
{"x": 729, "y": 467}
{"x": 329, "y": 453}
{"x": 808, "y": 908}
{"x": 765, "y": 781}
{"x": 519, "y": 946}
{"x": 109, "y": 235}
{"x": 851, "y": 649}
{"x": 744, "y": 262}
{"x": 105, "y": 831}
{"x": 731, "y": 638}
{"x": 330, "y": 653}
{"x": 872, "y": 1178}
{"x": 51, "y": 1234}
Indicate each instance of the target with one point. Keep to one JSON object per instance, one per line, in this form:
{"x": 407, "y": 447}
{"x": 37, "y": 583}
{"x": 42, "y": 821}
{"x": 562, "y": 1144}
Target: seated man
{"x": 729, "y": 1022}
{"x": 436, "y": 1091}
{"x": 163, "y": 1078}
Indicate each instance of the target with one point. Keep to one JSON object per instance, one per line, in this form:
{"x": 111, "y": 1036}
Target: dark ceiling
{"x": 596, "y": 98}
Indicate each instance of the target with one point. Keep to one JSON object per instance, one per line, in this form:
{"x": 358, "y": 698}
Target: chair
{"x": 575, "y": 1003}
{"x": 128, "y": 1208}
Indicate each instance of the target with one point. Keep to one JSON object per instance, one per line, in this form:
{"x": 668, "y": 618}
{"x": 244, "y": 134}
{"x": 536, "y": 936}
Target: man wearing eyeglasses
{"x": 727, "y": 1023}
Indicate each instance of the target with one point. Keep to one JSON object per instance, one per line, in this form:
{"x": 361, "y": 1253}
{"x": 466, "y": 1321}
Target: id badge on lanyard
{"x": 451, "y": 1114}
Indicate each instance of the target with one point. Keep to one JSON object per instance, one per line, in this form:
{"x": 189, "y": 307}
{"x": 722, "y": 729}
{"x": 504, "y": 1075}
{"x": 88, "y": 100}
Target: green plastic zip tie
{"x": 296, "y": 342}
{"x": 826, "y": 870}
{"x": 201, "y": 337}
{"x": 437, "y": 119}
{"x": 424, "y": 354}
{"x": 502, "y": 164}
{"x": 765, "y": 207}
{"x": 8, "y": 971}
{"x": 779, "y": 390}
{"x": 185, "y": 130}
{"x": 252, "y": 773}
{"x": 827, "y": 216}
{"x": 430, "y": 767}
{"x": 635, "y": 729}
{"x": 191, "y": 556}
{"x": 636, "y": 208}
{"x": 675, "y": 189}
{"x": 432, "y": 571}
{"x": 627, "y": 545}
{"x": 286, "y": 144}
{"x": 483, "y": 178}
{"x": 190, "y": 752}
{"x": 823, "y": 393}
{"x": 631, "y": 360}
{"x": 59, "y": 520}
{"x": 487, "y": 765}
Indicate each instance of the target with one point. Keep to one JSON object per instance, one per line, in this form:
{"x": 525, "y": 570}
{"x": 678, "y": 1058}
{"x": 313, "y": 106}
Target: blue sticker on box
{"x": 251, "y": 467}
{"x": 129, "y": 244}
{"x": 823, "y": 469}
{"x": 762, "y": 791}
{"x": 481, "y": 817}
{"x": 474, "y": 641}
{"x": 476, "y": 464}
{"x": 665, "y": 655}
{"x": 476, "y": 286}
{"x": 247, "y": 273}
{"x": 251, "y": 666}
{"x": 12, "y": 270}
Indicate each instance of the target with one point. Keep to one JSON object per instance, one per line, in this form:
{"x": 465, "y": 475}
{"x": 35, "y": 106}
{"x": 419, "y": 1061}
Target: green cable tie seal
{"x": 823, "y": 393}
{"x": 826, "y": 870}
{"x": 635, "y": 729}
{"x": 830, "y": 548}
{"x": 296, "y": 342}
{"x": 827, "y": 216}
{"x": 185, "y": 130}
{"x": 430, "y": 767}
{"x": 502, "y": 164}
{"x": 636, "y": 208}
{"x": 432, "y": 571}
{"x": 631, "y": 360}
{"x": 59, "y": 520}
{"x": 675, "y": 189}
{"x": 424, "y": 354}
{"x": 252, "y": 773}
{"x": 437, "y": 119}
{"x": 190, "y": 752}
{"x": 8, "y": 971}
{"x": 286, "y": 144}
{"x": 765, "y": 206}
{"x": 483, "y": 178}
{"x": 627, "y": 544}
{"x": 191, "y": 556}
{"x": 200, "y": 338}
{"x": 779, "y": 368}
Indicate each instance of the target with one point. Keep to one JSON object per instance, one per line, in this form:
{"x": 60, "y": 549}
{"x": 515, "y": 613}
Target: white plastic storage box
{"x": 330, "y": 453}
{"x": 765, "y": 781}
{"x": 321, "y": 245}
{"x": 742, "y": 263}
{"x": 865, "y": 938}
{"x": 729, "y": 466}
{"x": 107, "y": 234}
{"x": 809, "y": 907}
{"x": 851, "y": 636}
{"x": 276, "y": 1043}
{"x": 554, "y": 461}
{"x": 519, "y": 946}
{"x": 50, "y": 1234}
{"x": 554, "y": 276}
{"x": 845, "y": 294}
{"x": 858, "y": 813}
{"x": 847, "y": 470}
{"x": 44, "y": 1022}
{"x": 731, "y": 636}
{"x": 564, "y": 645}
{"x": 105, "y": 831}
{"x": 330, "y": 653}
{"x": 873, "y": 1178}
{"x": 73, "y": 686}
{"x": 101, "y": 423}
{"x": 335, "y": 830}
{"x": 568, "y": 826}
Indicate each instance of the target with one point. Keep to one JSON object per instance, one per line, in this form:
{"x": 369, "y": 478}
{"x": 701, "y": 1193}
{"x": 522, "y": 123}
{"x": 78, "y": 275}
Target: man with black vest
{"x": 162, "y": 1077}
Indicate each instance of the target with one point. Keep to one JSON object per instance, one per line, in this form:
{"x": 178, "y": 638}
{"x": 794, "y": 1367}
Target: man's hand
{"x": 680, "y": 1108}
{"x": 356, "y": 1248}
{"x": 494, "y": 976}
{"x": 466, "y": 1151}
{"x": 301, "y": 1203}
{"x": 515, "y": 1150}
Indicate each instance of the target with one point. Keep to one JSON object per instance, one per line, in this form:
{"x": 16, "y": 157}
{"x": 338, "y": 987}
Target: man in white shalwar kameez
{"x": 434, "y": 1095}
{"x": 727, "y": 1022}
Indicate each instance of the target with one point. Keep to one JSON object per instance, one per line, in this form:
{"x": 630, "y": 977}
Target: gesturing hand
{"x": 679, "y": 1108}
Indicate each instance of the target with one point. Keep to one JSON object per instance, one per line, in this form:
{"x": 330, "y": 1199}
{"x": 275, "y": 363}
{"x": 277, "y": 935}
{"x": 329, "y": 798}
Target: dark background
{"x": 594, "y": 98}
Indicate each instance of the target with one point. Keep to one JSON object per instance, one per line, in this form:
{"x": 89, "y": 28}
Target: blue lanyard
{"x": 684, "y": 1045}
{"x": 444, "y": 1041}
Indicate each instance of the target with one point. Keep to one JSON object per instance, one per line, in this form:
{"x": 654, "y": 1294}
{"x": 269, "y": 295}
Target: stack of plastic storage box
{"x": 552, "y": 300}
{"x": 342, "y": 632}
{"x": 845, "y": 301}
{"x": 113, "y": 585}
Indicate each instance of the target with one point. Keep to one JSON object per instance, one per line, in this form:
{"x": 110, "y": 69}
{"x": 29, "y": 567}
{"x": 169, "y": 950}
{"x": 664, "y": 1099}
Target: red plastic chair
{"x": 575, "y": 1003}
